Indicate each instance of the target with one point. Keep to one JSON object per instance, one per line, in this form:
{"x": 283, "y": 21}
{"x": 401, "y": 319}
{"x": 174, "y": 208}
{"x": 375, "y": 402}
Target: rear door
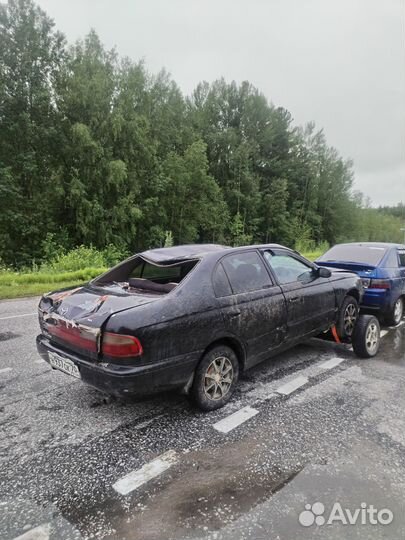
{"x": 252, "y": 304}
{"x": 311, "y": 303}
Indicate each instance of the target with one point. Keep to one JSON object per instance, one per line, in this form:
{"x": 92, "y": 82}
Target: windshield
{"x": 371, "y": 255}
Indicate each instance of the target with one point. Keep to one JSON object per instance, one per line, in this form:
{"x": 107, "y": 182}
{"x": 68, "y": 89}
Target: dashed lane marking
{"x": 6, "y": 370}
{"x": 333, "y": 362}
{"x": 235, "y": 419}
{"x": 384, "y": 333}
{"x": 151, "y": 470}
{"x": 290, "y": 387}
{"x": 17, "y": 316}
{"x": 38, "y": 533}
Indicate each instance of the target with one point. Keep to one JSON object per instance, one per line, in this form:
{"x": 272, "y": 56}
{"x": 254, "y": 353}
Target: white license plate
{"x": 63, "y": 364}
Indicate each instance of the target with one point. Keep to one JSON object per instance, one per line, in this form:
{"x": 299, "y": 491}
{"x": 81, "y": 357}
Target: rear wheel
{"x": 366, "y": 336}
{"x": 396, "y": 313}
{"x": 215, "y": 378}
{"x": 348, "y": 315}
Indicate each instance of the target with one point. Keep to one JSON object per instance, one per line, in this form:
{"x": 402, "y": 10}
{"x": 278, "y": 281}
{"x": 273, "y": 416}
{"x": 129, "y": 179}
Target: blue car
{"x": 382, "y": 269}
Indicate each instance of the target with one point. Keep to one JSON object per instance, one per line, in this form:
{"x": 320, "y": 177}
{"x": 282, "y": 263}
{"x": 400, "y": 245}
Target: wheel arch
{"x": 234, "y": 344}
{"x": 395, "y": 300}
{"x": 231, "y": 342}
{"x": 354, "y": 293}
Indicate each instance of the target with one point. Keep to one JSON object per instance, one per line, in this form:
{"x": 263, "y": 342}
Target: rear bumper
{"x": 376, "y": 300}
{"x": 122, "y": 380}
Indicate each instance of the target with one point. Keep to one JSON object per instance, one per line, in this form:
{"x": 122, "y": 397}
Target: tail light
{"x": 120, "y": 345}
{"x": 82, "y": 337}
{"x": 380, "y": 284}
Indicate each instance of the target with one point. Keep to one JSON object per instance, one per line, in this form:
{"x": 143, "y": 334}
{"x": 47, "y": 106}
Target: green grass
{"x": 32, "y": 289}
{"x": 312, "y": 255}
{"x": 17, "y": 285}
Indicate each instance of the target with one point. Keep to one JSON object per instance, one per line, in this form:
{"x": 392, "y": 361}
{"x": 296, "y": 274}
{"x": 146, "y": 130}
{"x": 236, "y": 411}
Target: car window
{"x": 220, "y": 282}
{"x": 392, "y": 259}
{"x": 401, "y": 255}
{"x": 287, "y": 268}
{"x": 152, "y": 272}
{"x": 355, "y": 253}
{"x": 246, "y": 272}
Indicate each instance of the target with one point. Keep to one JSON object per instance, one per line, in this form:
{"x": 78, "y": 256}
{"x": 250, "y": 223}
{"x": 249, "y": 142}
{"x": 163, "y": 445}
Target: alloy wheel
{"x": 372, "y": 338}
{"x": 398, "y": 310}
{"x": 349, "y": 319}
{"x": 218, "y": 378}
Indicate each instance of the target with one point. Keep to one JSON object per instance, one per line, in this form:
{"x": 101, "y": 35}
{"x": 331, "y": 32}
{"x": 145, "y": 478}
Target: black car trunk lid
{"x": 74, "y": 318}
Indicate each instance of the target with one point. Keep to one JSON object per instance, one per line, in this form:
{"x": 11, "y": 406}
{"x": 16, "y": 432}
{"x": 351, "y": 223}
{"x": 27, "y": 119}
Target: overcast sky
{"x": 340, "y": 63}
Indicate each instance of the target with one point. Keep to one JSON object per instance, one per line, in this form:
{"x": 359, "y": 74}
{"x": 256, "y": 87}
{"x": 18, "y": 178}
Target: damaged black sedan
{"x": 193, "y": 317}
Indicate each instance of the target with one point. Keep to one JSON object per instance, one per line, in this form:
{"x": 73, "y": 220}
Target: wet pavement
{"x": 326, "y": 428}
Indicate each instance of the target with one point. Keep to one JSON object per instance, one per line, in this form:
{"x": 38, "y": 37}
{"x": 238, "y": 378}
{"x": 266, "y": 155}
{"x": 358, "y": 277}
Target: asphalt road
{"x": 314, "y": 425}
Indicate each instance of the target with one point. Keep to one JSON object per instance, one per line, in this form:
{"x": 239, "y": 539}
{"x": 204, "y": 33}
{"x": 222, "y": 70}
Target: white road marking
{"x": 235, "y": 419}
{"x": 384, "y": 333}
{"x": 135, "y": 479}
{"x": 6, "y": 370}
{"x": 16, "y": 316}
{"x": 333, "y": 362}
{"x": 38, "y": 533}
{"x": 264, "y": 391}
{"x": 40, "y": 361}
{"x": 288, "y": 388}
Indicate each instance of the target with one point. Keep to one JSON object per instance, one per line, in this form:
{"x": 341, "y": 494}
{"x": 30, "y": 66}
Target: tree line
{"x": 95, "y": 150}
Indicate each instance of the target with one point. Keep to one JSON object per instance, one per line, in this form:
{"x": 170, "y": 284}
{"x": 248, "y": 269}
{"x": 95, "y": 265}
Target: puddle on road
{"x": 207, "y": 490}
{"x": 214, "y": 498}
{"x": 392, "y": 348}
{"x": 5, "y": 336}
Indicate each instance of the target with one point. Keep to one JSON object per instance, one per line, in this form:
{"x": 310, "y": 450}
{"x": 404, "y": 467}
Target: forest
{"x": 96, "y": 151}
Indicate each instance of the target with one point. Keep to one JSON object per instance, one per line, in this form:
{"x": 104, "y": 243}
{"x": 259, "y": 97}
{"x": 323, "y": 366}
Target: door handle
{"x": 234, "y": 313}
{"x": 295, "y": 299}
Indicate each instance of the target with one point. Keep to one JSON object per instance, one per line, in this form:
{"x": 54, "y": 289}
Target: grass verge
{"x": 31, "y": 289}
{"x": 16, "y": 285}
{"x": 313, "y": 255}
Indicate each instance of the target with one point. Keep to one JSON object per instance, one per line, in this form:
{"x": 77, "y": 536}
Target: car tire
{"x": 394, "y": 316}
{"x": 215, "y": 378}
{"x": 366, "y": 336}
{"x": 347, "y": 319}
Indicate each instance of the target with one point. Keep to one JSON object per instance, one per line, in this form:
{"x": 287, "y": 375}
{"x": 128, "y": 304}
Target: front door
{"x": 311, "y": 304}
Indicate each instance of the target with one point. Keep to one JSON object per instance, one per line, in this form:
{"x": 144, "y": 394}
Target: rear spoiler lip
{"x": 344, "y": 265}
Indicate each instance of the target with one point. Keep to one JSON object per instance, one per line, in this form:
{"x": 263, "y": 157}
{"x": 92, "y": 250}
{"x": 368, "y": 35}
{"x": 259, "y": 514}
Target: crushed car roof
{"x": 194, "y": 251}
{"x": 187, "y": 251}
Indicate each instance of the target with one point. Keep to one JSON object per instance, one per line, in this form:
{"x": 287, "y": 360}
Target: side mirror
{"x": 323, "y": 272}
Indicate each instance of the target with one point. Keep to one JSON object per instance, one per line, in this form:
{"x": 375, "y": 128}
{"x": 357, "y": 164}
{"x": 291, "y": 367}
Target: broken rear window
{"x": 140, "y": 275}
{"x": 158, "y": 273}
